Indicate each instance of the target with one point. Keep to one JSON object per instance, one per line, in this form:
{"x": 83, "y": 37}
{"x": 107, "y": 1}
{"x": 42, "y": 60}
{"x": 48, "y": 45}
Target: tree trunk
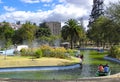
{"x": 71, "y": 42}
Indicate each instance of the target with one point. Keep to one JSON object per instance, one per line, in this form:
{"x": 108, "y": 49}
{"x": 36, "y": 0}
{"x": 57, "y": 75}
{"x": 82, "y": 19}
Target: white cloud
{"x": 35, "y": 1}
{"x": 30, "y": 1}
{"x": 0, "y": 1}
{"x": 46, "y": 1}
{"x": 46, "y": 5}
{"x": 25, "y": 16}
{"x": 9, "y": 8}
{"x": 62, "y": 0}
{"x": 110, "y": 1}
{"x": 62, "y": 12}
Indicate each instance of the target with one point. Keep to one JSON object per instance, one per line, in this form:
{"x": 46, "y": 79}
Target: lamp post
{"x": 5, "y": 54}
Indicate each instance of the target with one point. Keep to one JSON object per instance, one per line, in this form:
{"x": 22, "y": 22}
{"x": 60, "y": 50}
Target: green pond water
{"x": 88, "y": 69}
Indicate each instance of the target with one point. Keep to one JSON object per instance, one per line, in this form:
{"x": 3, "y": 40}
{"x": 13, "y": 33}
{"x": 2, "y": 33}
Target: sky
{"x": 39, "y": 11}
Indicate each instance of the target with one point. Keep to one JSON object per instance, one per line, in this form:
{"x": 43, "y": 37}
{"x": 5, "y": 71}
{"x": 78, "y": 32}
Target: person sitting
{"x": 106, "y": 68}
{"x": 100, "y": 68}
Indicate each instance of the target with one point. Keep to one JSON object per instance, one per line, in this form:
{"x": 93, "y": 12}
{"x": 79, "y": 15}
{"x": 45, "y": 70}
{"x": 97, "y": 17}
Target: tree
{"x": 71, "y": 31}
{"x": 6, "y": 33}
{"x": 103, "y": 31}
{"x": 113, "y": 11}
{"x": 27, "y": 32}
{"x": 43, "y": 32}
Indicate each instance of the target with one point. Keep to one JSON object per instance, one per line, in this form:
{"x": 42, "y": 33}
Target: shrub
{"x": 58, "y": 52}
{"x": 38, "y": 53}
{"x": 114, "y": 52}
{"x": 27, "y": 52}
{"x": 45, "y": 50}
{"x": 23, "y": 52}
{"x": 73, "y": 52}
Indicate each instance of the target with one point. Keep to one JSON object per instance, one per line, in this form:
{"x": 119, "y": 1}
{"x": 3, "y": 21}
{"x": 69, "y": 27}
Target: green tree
{"x": 71, "y": 31}
{"x": 27, "y": 32}
{"x": 103, "y": 31}
{"x": 41, "y": 31}
{"x": 6, "y": 33}
{"x": 113, "y": 12}
{"x": 17, "y": 38}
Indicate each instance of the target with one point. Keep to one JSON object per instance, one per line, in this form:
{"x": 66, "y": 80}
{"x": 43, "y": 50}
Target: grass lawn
{"x": 98, "y": 58}
{"x": 18, "y": 61}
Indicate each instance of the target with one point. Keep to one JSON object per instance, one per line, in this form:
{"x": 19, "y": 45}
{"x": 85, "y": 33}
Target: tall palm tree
{"x": 72, "y": 31}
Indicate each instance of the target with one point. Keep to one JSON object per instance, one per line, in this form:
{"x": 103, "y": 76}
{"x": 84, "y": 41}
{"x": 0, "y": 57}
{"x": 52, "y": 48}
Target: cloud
{"x": 9, "y": 8}
{"x": 78, "y": 3}
{"x": 35, "y": 1}
{"x": 24, "y": 16}
{"x": 30, "y": 1}
{"x": 0, "y": 1}
{"x": 110, "y": 1}
{"x": 62, "y": 12}
{"x": 62, "y": 0}
{"x": 46, "y": 5}
{"x": 46, "y": 1}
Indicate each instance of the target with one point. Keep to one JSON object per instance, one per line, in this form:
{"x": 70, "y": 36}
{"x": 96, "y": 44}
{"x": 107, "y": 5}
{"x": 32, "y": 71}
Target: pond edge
{"x": 39, "y": 68}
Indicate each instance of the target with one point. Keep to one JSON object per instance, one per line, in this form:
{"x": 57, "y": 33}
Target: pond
{"x": 88, "y": 70}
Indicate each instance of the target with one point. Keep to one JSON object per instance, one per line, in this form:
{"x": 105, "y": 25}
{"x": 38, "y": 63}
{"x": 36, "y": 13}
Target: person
{"x": 82, "y": 56}
{"x": 106, "y": 68}
{"x": 100, "y": 68}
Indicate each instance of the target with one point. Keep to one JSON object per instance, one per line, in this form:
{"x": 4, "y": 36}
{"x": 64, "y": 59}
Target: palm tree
{"x": 71, "y": 31}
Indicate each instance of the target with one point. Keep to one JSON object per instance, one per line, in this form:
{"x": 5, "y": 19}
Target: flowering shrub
{"x": 58, "y": 52}
{"x": 47, "y": 51}
{"x": 25, "y": 52}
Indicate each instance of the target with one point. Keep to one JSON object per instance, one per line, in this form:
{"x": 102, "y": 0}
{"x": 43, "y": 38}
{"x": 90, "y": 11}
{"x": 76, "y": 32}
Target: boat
{"x": 103, "y": 73}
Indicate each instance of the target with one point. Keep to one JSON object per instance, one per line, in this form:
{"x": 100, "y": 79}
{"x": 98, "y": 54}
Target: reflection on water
{"x": 88, "y": 70}
{"x": 85, "y": 71}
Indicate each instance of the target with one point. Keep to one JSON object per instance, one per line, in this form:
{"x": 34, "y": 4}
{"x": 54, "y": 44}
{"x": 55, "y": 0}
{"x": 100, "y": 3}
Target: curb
{"x": 112, "y": 59}
{"x": 37, "y": 68}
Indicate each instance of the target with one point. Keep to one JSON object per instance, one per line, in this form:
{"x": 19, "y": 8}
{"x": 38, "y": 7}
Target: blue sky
{"x": 23, "y": 5}
{"x": 45, "y": 10}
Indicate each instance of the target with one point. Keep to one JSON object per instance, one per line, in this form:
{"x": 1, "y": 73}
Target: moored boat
{"x": 103, "y": 73}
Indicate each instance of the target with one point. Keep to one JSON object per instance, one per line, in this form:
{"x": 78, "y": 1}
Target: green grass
{"x": 98, "y": 58}
{"x": 20, "y": 61}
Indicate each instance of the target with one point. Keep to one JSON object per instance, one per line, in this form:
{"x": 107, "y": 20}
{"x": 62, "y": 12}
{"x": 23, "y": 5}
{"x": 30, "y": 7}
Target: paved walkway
{"x": 111, "y": 78}
{"x": 77, "y": 80}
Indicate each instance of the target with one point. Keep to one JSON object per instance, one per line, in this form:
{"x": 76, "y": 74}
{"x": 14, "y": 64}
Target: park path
{"x": 77, "y": 80}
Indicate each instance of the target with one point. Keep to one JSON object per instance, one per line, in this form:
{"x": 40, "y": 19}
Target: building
{"x": 97, "y": 10}
{"x": 55, "y": 27}
{"x": 15, "y": 26}
{"x": 12, "y": 25}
